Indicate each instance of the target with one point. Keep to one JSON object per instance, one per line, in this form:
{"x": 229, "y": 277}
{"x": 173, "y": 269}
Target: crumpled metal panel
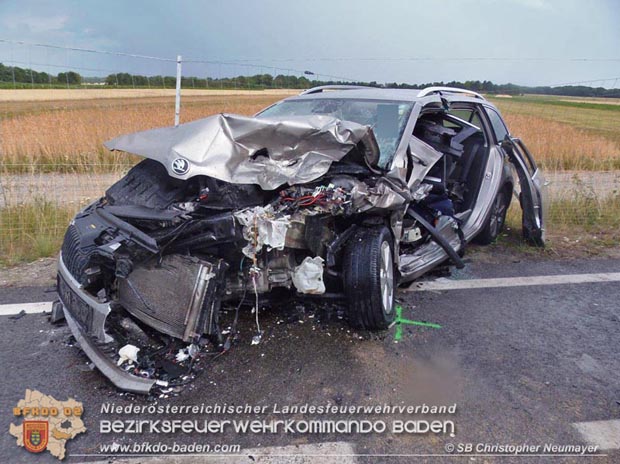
{"x": 265, "y": 151}
{"x": 384, "y": 195}
{"x": 424, "y": 158}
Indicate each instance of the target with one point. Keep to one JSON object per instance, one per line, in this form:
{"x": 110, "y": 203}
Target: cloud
{"x": 36, "y": 24}
{"x": 534, "y": 4}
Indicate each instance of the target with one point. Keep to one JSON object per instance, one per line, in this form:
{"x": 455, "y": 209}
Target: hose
{"x": 437, "y": 237}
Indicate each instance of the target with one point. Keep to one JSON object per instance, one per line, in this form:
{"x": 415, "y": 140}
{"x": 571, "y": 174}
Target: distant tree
{"x": 69, "y": 78}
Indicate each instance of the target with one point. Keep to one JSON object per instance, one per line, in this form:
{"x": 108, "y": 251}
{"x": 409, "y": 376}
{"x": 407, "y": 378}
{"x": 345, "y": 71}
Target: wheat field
{"x": 67, "y": 135}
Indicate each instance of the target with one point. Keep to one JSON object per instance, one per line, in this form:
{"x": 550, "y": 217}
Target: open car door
{"x": 532, "y": 186}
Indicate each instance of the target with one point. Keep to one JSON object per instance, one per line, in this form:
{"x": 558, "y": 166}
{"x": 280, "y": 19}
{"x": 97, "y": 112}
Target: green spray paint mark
{"x": 400, "y": 320}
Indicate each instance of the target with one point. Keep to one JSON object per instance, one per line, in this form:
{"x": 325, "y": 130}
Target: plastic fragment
{"x": 308, "y": 276}
{"x": 256, "y": 339}
{"x": 193, "y": 350}
{"x": 128, "y": 353}
{"x": 182, "y": 355}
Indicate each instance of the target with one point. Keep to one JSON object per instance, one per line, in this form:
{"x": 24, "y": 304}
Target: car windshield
{"x": 387, "y": 118}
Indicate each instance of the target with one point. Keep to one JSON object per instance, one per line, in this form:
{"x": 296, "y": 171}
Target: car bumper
{"x": 86, "y": 319}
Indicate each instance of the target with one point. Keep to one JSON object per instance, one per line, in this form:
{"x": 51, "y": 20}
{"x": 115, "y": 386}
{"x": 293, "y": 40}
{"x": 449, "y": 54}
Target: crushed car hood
{"x": 244, "y": 150}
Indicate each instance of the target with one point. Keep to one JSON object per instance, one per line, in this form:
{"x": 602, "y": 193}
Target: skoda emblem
{"x": 180, "y": 166}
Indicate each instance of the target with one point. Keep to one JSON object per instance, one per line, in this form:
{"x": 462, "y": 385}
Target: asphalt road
{"x": 523, "y": 364}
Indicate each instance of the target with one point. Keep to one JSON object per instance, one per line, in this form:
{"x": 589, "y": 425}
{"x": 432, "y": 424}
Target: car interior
{"x": 457, "y": 177}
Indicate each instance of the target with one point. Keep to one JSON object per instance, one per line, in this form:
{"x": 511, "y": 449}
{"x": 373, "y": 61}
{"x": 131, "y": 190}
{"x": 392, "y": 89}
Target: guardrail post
{"x": 177, "y": 103}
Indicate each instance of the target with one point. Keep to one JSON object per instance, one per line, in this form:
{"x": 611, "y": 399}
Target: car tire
{"x": 369, "y": 278}
{"x": 496, "y": 220}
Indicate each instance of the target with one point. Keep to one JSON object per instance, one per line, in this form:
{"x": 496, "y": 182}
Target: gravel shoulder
{"x": 41, "y": 272}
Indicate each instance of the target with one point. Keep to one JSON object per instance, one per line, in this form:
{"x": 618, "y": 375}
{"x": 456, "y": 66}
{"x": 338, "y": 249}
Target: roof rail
{"x": 322, "y": 88}
{"x": 431, "y": 90}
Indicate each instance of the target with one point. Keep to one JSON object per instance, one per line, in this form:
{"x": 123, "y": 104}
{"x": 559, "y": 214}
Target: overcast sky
{"x": 521, "y": 41}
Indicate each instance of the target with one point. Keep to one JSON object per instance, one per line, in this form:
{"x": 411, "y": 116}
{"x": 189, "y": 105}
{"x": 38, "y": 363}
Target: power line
{"x": 263, "y": 66}
{"x": 157, "y": 58}
{"x": 586, "y": 82}
{"x": 50, "y": 65}
{"x": 429, "y": 58}
{"x": 258, "y": 64}
{"x": 86, "y": 50}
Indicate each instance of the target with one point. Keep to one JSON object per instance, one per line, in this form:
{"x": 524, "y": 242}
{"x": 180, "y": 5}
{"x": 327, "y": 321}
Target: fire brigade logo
{"x": 46, "y": 423}
{"x": 35, "y": 435}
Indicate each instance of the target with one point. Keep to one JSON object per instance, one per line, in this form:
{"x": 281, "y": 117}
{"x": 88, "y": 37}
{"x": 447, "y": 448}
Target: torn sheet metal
{"x": 308, "y": 276}
{"x": 384, "y": 195}
{"x": 424, "y": 158}
{"x": 268, "y": 152}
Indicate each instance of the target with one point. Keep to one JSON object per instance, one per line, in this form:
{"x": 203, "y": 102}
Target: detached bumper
{"x": 86, "y": 319}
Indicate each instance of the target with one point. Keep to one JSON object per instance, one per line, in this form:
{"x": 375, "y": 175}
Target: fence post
{"x": 177, "y": 104}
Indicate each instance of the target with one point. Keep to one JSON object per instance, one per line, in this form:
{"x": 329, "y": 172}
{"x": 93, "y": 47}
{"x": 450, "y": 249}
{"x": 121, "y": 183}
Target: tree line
{"x": 267, "y": 81}
{"x": 28, "y": 77}
{"x": 258, "y": 81}
{"x": 19, "y": 75}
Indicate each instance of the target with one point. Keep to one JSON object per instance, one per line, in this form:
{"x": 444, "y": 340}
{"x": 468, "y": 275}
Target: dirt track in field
{"x": 67, "y": 189}
{"x": 96, "y": 93}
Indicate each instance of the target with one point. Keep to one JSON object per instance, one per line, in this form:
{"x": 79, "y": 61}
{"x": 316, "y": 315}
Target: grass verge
{"x": 32, "y": 231}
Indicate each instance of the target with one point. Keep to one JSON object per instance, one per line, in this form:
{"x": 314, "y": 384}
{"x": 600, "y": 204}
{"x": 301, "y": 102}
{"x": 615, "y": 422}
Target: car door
{"x": 531, "y": 180}
{"x": 532, "y": 190}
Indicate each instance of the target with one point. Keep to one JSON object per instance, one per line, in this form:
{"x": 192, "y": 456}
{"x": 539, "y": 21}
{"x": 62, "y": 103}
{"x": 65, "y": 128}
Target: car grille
{"x": 74, "y": 256}
{"x": 79, "y": 309}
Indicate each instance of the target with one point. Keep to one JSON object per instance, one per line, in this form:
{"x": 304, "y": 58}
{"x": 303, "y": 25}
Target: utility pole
{"x": 177, "y": 103}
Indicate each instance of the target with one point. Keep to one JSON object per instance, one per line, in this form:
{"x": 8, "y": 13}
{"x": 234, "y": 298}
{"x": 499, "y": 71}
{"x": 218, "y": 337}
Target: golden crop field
{"x": 566, "y": 134}
{"x": 68, "y": 135}
{"x": 59, "y": 134}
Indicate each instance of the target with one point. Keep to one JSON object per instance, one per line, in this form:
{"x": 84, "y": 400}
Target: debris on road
{"x": 19, "y": 315}
{"x": 128, "y": 353}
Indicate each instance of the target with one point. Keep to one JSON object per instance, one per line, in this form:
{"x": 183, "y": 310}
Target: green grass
{"x": 579, "y": 212}
{"x": 35, "y": 230}
{"x": 32, "y": 231}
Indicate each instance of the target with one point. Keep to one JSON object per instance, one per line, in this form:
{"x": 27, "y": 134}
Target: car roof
{"x": 375, "y": 93}
{"x": 364, "y": 93}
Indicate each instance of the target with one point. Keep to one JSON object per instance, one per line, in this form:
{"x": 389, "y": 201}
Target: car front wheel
{"x": 368, "y": 269}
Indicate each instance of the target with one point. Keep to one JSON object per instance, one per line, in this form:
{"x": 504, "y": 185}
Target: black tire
{"x": 369, "y": 280}
{"x": 496, "y": 220}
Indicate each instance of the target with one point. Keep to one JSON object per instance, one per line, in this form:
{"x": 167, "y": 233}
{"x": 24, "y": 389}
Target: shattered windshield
{"x": 387, "y": 118}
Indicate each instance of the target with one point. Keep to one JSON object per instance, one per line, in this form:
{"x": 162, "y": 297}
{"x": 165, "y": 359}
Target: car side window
{"x": 471, "y": 115}
{"x": 468, "y": 114}
{"x": 499, "y": 128}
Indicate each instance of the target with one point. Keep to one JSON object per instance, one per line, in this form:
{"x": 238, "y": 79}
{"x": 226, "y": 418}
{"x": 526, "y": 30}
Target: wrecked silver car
{"x": 338, "y": 192}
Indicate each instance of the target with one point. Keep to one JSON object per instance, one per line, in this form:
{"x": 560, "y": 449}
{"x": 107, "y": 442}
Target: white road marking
{"x": 30, "y": 308}
{"x": 449, "y": 284}
{"x": 604, "y": 434}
